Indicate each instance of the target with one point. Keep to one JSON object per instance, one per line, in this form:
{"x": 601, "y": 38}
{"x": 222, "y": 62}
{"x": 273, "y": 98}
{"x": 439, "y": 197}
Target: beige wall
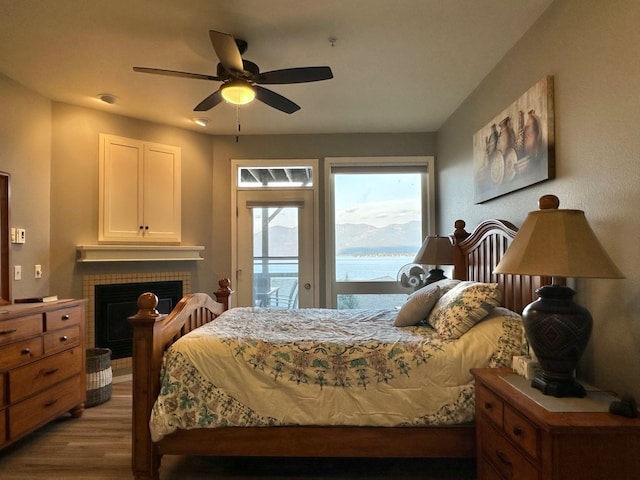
{"x": 590, "y": 51}
{"x": 74, "y": 194}
{"x": 25, "y": 153}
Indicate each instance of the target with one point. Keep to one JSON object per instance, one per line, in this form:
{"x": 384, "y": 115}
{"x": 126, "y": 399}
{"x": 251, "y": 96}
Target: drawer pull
{"x": 66, "y": 317}
{"x": 503, "y": 458}
{"x": 51, "y": 372}
{"x": 51, "y": 402}
{"x": 26, "y": 351}
{"x": 488, "y": 406}
{"x": 8, "y": 332}
{"x": 64, "y": 338}
{"x": 517, "y": 431}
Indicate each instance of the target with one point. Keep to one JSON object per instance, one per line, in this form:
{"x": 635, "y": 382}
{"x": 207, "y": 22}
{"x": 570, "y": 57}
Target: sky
{"x": 374, "y": 199}
{"x": 377, "y": 199}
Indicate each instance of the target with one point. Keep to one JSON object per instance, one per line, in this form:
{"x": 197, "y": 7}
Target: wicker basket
{"x": 99, "y": 376}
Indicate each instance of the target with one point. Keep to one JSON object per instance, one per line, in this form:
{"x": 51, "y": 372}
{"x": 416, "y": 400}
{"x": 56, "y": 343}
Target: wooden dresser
{"x": 517, "y": 438}
{"x": 42, "y": 365}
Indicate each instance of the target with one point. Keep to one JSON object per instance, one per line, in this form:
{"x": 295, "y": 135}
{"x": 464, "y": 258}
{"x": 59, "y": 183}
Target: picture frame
{"x": 516, "y": 148}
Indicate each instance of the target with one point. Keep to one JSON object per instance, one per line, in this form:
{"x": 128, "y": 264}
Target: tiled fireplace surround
{"x": 122, "y": 365}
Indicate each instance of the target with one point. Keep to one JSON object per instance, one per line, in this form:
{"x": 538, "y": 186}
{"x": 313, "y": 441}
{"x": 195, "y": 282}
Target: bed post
{"x": 223, "y": 293}
{"x": 460, "y": 271}
{"x": 145, "y": 459}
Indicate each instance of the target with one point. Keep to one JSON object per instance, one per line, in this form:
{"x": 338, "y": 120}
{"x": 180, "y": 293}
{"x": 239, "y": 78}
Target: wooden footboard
{"x": 152, "y": 334}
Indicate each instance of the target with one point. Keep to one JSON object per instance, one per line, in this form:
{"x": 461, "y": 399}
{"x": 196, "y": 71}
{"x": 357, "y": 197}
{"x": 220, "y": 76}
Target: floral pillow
{"x": 462, "y": 307}
{"x": 420, "y": 303}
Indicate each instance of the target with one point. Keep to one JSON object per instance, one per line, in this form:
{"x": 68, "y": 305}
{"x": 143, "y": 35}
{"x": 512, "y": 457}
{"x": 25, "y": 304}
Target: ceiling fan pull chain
{"x": 238, "y": 122}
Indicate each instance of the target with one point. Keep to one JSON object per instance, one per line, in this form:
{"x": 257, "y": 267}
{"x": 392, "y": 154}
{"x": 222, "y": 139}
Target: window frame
{"x": 371, "y": 165}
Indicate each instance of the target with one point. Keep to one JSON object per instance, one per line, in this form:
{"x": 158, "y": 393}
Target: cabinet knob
{"x": 488, "y": 406}
{"x": 517, "y": 431}
{"x": 26, "y": 351}
{"x": 64, "y": 338}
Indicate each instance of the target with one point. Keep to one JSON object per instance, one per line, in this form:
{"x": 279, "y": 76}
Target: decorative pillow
{"x": 445, "y": 285}
{"x": 462, "y": 307}
{"x": 420, "y": 302}
{"x": 418, "y": 306}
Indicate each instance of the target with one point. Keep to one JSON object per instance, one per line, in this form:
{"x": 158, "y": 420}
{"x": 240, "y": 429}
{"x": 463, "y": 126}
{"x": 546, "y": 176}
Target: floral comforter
{"x": 266, "y": 367}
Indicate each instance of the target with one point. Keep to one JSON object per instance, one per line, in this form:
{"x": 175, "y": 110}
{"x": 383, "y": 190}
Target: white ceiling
{"x": 398, "y": 65}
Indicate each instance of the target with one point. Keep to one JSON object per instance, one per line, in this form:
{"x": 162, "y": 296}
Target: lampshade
{"x": 238, "y": 92}
{"x": 557, "y": 243}
{"x": 435, "y": 250}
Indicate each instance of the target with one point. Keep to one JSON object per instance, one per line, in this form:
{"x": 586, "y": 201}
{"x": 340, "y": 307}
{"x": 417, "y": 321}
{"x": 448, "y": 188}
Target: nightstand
{"x": 522, "y": 436}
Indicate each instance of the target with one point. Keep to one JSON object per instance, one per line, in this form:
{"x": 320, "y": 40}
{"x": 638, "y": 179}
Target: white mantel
{"x": 138, "y": 253}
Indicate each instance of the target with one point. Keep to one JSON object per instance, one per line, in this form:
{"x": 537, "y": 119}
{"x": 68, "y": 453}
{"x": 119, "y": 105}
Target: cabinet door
{"x": 121, "y": 172}
{"x": 161, "y": 198}
{"x": 139, "y": 191}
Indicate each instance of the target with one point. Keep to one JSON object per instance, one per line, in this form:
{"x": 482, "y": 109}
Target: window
{"x": 378, "y": 210}
{"x": 376, "y": 214}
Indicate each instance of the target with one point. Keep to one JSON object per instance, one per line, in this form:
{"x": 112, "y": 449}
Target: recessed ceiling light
{"x": 203, "y": 122}
{"x": 108, "y": 98}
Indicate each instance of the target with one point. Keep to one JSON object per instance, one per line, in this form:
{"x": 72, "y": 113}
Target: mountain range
{"x": 352, "y": 239}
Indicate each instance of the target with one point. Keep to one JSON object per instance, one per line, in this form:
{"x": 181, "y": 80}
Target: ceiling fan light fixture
{"x": 238, "y": 92}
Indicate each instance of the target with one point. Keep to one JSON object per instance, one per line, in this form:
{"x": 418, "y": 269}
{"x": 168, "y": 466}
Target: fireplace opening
{"x": 115, "y": 303}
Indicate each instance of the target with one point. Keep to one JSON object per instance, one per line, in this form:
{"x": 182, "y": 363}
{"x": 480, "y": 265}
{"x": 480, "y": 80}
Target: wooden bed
{"x": 475, "y": 257}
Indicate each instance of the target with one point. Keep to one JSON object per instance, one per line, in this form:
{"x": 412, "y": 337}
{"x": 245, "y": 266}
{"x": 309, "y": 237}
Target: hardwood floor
{"x": 97, "y": 446}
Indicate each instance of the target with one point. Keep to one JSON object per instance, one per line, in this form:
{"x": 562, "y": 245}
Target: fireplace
{"x": 115, "y": 303}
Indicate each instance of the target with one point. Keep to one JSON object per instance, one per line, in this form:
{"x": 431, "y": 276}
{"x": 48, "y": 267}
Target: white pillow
{"x": 420, "y": 302}
{"x": 462, "y": 307}
{"x": 417, "y": 306}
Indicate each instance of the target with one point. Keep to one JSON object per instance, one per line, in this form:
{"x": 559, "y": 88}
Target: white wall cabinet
{"x": 140, "y": 197}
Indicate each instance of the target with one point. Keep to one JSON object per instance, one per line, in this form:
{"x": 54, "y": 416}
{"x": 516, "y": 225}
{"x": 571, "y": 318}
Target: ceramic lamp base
{"x": 558, "y": 331}
{"x": 434, "y": 275}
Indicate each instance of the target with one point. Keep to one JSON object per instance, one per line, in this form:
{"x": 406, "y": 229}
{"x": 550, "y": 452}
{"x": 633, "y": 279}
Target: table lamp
{"x": 435, "y": 251}
{"x": 557, "y": 243}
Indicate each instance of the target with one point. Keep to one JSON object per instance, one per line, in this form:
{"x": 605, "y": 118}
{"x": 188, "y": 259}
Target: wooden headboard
{"x": 476, "y": 255}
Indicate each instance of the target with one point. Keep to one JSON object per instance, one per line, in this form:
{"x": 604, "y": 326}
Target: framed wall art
{"x": 516, "y": 148}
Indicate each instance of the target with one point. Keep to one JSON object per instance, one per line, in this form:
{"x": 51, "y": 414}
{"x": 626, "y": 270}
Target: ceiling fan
{"x": 241, "y": 79}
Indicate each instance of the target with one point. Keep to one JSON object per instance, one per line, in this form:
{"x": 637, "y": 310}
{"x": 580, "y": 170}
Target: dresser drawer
{"x": 20, "y": 352}
{"x": 36, "y": 376}
{"x": 521, "y": 431}
{"x": 507, "y": 461}
{"x": 490, "y": 404}
{"x": 46, "y": 405}
{"x": 61, "y": 339}
{"x": 20, "y": 328}
{"x": 63, "y": 317}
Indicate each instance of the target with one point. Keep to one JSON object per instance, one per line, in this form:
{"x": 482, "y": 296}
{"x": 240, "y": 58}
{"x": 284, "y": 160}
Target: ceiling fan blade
{"x": 295, "y": 75}
{"x": 227, "y": 51}
{"x": 275, "y": 100}
{"x": 208, "y": 103}
{"x": 176, "y": 73}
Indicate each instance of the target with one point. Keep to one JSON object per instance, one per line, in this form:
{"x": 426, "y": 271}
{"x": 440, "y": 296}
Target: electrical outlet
{"x": 37, "y": 271}
{"x": 17, "y": 272}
